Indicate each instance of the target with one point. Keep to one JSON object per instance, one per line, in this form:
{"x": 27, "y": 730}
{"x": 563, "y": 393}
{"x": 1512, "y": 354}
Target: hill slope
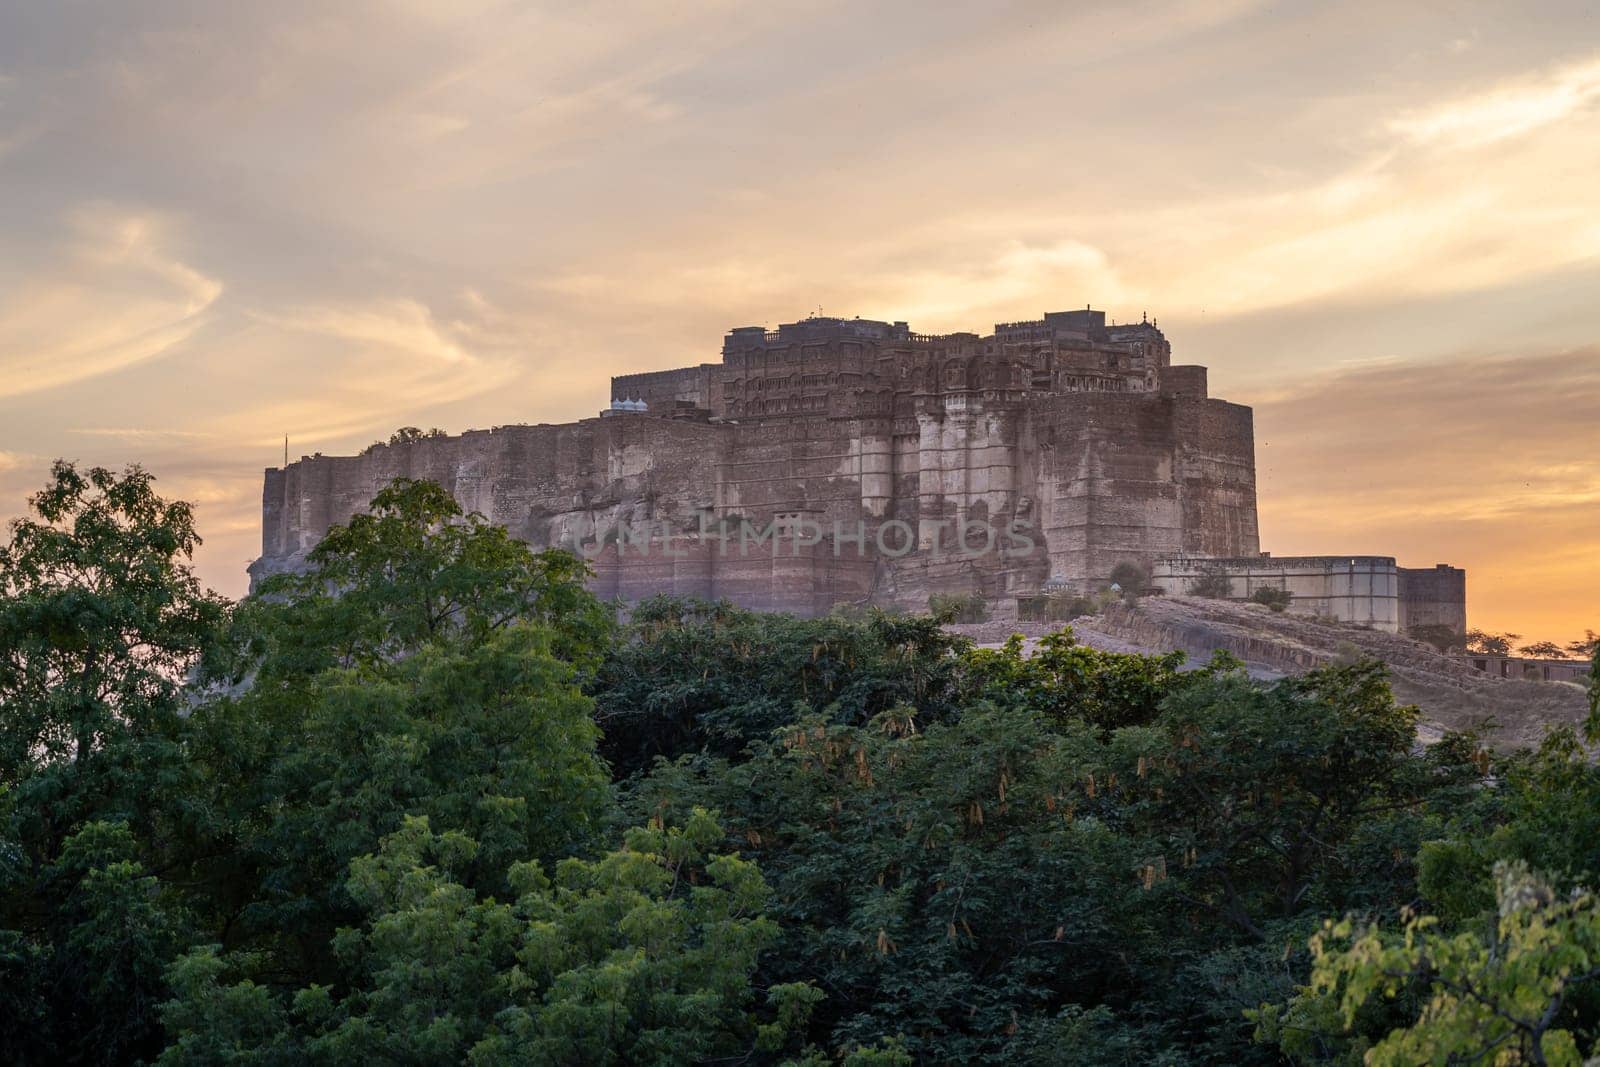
{"x": 1450, "y": 694}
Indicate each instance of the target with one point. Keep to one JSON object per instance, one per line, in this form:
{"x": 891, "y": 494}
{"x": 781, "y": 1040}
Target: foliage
{"x": 100, "y": 616}
{"x": 1132, "y": 577}
{"x": 1546, "y": 815}
{"x": 1057, "y": 606}
{"x": 958, "y": 607}
{"x": 1272, "y": 597}
{"x": 424, "y": 665}
{"x": 689, "y": 676}
{"x": 1440, "y": 636}
{"x": 1498, "y": 999}
{"x": 360, "y": 817}
{"x": 1062, "y": 679}
{"x": 1542, "y": 650}
{"x": 406, "y": 435}
{"x": 1266, "y": 786}
{"x": 1492, "y": 644}
{"x": 1538, "y": 811}
{"x": 177, "y": 773}
{"x": 1591, "y": 726}
{"x": 641, "y": 956}
{"x": 413, "y": 572}
{"x": 1215, "y": 585}
{"x": 1094, "y": 833}
{"x": 100, "y": 619}
{"x": 921, "y": 876}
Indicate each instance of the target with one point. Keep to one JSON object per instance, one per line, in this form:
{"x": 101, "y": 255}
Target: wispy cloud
{"x": 117, "y": 296}
{"x": 392, "y": 325}
{"x": 138, "y": 434}
{"x": 343, "y": 369}
{"x": 1512, "y": 109}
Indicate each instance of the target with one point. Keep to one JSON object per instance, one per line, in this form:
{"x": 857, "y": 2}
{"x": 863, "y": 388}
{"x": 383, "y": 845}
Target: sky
{"x": 1377, "y": 223}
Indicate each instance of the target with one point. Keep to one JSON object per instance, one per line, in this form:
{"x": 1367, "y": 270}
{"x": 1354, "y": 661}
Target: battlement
{"x": 840, "y": 367}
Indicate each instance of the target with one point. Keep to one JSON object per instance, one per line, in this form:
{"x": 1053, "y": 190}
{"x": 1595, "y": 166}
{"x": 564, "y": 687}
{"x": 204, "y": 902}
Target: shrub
{"x": 1440, "y": 636}
{"x": 1064, "y": 607}
{"x": 1131, "y": 577}
{"x": 1276, "y": 599}
{"x": 1213, "y": 585}
{"x": 958, "y": 607}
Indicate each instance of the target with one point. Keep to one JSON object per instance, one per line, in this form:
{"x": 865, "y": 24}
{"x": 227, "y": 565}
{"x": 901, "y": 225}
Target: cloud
{"x": 327, "y": 372}
{"x": 138, "y": 434}
{"x": 1513, "y": 109}
{"x": 401, "y": 326}
{"x": 114, "y": 297}
{"x": 1014, "y": 275}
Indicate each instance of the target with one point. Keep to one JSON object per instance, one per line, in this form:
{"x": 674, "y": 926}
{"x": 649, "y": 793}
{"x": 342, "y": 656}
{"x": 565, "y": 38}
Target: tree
{"x": 689, "y": 675}
{"x": 406, "y": 435}
{"x": 1214, "y": 585}
{"x": 929, "y": 877}
{"x": 1542, "y": 650}
{"x": 958, "y": 607}
{"x": 1260, "y": 789}
{"x": 101, "y": 619}
{"x": 1063, "y": 680}
{"x": 1532, "y": 811}
{"x": 1088, "y": 831}
{"x": 359, "y": 817}
{"x": 1585, "y": 646}
{"x": 1545, "y": 813}
{"x": 642, "y": 956}
{"x": 1132, "y": 577}
{"x": 1274, "y": 598}
{"x": 1496, "y": 999}
{"x": 1440, "y": 636}
{"x": 1591, "y": 726}
{"x": 426, "y": 665}
{"x": 1491, "y": 643}
{"x": 416, "y": 571}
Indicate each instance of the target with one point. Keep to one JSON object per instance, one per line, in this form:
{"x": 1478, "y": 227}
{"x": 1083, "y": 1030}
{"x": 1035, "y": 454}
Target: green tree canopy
{"x": 101, "y": 621}
{"x": 643, "y": 956}
{"x": 427, "y": 664}
{"x": 1496, "y": 999}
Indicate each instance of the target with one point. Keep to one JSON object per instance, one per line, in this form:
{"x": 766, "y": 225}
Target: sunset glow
{"x": 1378, "y": 225}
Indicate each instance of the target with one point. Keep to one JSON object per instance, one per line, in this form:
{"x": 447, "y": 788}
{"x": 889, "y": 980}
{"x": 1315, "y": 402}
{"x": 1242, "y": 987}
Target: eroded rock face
{"x": 843, "y": 461}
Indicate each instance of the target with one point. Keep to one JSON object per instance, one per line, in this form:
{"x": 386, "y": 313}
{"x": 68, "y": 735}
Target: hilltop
{"x": 1449, "y": 692}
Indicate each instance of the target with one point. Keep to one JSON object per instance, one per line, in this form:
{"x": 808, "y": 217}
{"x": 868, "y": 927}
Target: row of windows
{"x": 792, "y": 406}
{"x": 807, "y": 381}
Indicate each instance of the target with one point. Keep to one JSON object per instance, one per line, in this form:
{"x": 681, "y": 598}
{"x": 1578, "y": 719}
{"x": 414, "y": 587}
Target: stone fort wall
{"x": 851, "y": 441}
{"x": 1366, "y": 590}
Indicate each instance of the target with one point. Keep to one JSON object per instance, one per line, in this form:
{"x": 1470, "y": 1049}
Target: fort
{"x": 877, "y": 465}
